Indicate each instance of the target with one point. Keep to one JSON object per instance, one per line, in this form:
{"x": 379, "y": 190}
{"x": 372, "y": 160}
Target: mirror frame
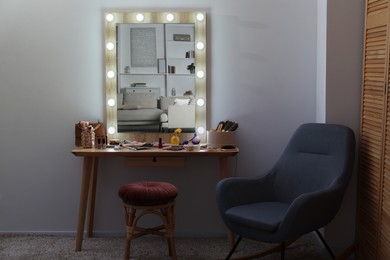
{"x": 110, "y": 47}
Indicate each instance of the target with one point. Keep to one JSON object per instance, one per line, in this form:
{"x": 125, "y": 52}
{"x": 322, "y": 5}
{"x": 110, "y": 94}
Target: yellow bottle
{"x": 175, "y": 137}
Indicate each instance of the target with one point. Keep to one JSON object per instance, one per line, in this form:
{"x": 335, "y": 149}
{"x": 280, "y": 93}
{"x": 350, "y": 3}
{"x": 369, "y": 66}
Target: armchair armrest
{"x": 163, "y": 118}
{"x": 236, "y": 191}
{"x": 311, "y": 211}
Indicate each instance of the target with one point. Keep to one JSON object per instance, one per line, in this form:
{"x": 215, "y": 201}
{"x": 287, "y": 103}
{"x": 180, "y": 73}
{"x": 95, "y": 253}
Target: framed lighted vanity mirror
{"x": 155, "y": 65}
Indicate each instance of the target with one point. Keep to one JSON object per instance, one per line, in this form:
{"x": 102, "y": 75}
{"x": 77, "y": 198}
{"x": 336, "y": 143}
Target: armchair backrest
{"x": 181, "y": 116}
{"x": 317, "y": 157}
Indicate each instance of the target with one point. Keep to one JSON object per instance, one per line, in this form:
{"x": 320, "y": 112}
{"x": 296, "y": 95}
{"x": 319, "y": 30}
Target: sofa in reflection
{"x": 149, "y": 112}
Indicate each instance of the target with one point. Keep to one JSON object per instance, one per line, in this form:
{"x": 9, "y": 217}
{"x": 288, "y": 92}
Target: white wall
{"x": 262, "y": 73}
{"x": 345, "y": 23}
{"x": 321, "y": 60}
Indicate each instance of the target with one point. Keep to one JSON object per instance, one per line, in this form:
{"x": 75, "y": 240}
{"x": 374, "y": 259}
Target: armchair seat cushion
{"x": 263, "y": 215}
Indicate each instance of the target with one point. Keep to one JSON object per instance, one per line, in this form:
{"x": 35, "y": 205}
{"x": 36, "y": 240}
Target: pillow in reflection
{"x": 181, "y": 102}
{"x": 165, "y": 102}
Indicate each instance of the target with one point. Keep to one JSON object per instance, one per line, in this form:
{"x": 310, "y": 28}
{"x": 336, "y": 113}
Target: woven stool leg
{"x": 129, "y": 218}
{"x": 170, "y": 229}
{"x": 165, "y": 212}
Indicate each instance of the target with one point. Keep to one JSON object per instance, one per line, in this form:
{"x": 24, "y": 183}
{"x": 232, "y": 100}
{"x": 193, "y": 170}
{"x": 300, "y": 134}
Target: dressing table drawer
{"x": 154, "y": 161}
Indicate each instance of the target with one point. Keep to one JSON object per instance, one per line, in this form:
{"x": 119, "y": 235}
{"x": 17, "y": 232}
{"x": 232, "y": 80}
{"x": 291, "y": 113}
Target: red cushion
{"x": 147, "y": 193}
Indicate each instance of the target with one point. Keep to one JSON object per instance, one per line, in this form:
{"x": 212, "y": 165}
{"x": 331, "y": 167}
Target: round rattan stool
{"x": 141, "y": 198}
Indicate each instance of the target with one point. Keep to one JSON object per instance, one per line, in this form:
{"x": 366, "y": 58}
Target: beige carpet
{"x": 45, "y": 247}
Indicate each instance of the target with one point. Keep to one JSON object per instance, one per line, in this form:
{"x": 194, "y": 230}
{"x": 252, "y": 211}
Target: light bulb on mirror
{"x": 200, "y": 130}
{"x": 110, "y": 74}
{"x": 110, "y": 46}
{"x": 200, "y": 74}
{"x": 170, "y": 17}
{"x": 111, "y": 102}
{"x": 140, "y": 17}
{"x": 200, "y": 102}
{"x": 110, "y": 17}
{"x": 199, "y": 17}
{"x": 111, "y": 130}
{"x": 200, "y": 45}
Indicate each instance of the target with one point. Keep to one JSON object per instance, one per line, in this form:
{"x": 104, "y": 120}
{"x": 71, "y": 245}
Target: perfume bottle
{"x": 175, "y": 139}
{"x": 195, "y": 139}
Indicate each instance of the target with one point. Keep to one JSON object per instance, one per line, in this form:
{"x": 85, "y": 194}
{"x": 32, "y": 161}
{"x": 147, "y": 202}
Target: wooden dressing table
{"x": 152, "y": 157}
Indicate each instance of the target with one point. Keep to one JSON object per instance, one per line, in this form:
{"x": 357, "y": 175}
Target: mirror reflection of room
{"x": 156, "y": 80}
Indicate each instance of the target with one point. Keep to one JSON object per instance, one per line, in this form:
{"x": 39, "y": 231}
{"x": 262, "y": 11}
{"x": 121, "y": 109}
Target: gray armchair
{"x": 300, "y": 194}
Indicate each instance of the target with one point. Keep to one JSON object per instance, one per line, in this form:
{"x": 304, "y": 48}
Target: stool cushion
{"x": 147, "y": 193}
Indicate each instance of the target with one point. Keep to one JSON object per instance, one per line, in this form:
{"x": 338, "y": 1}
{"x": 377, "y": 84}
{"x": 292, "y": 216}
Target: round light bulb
{"x": 111, "y": 130}
{"x": 200, "y": 45}
{"x": 110, "y": 17}
{"x": 110, "y": 46}
{"x": 170, "y": 17}
{"x": 200, "y": 102}
{"x": 140, "y": 17}
{"x": 110, "y": 74}
{"x": 200, "y": 130}
{"x": 111, "y": 102}
{"x": 199, "y": 17}
{"x": 200, "y": 74}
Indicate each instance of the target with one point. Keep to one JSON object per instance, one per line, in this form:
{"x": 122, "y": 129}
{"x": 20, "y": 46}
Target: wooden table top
{"x": 126, "y": 152}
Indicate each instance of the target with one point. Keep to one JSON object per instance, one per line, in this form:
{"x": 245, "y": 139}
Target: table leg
{"x": 85, "y": 183}
{"x": 92, "y": 196}
{"x": 224, "y": 173}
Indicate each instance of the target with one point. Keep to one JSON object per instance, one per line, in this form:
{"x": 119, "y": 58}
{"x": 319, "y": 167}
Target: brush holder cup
{"x": 221, "y": 139}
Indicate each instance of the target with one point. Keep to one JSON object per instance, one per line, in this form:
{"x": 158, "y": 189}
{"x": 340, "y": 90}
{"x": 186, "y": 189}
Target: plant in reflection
{"x": 191, "y": 68}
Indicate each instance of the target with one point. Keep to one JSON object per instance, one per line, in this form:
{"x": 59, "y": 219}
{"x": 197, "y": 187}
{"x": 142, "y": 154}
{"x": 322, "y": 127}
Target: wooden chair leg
{"x": 171, "y": 246}
{"x": 170, "y": 229}
{"x": 129, "y": 217}
{"x": 127, "y": 249}
{"x": 165, "y": 212}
